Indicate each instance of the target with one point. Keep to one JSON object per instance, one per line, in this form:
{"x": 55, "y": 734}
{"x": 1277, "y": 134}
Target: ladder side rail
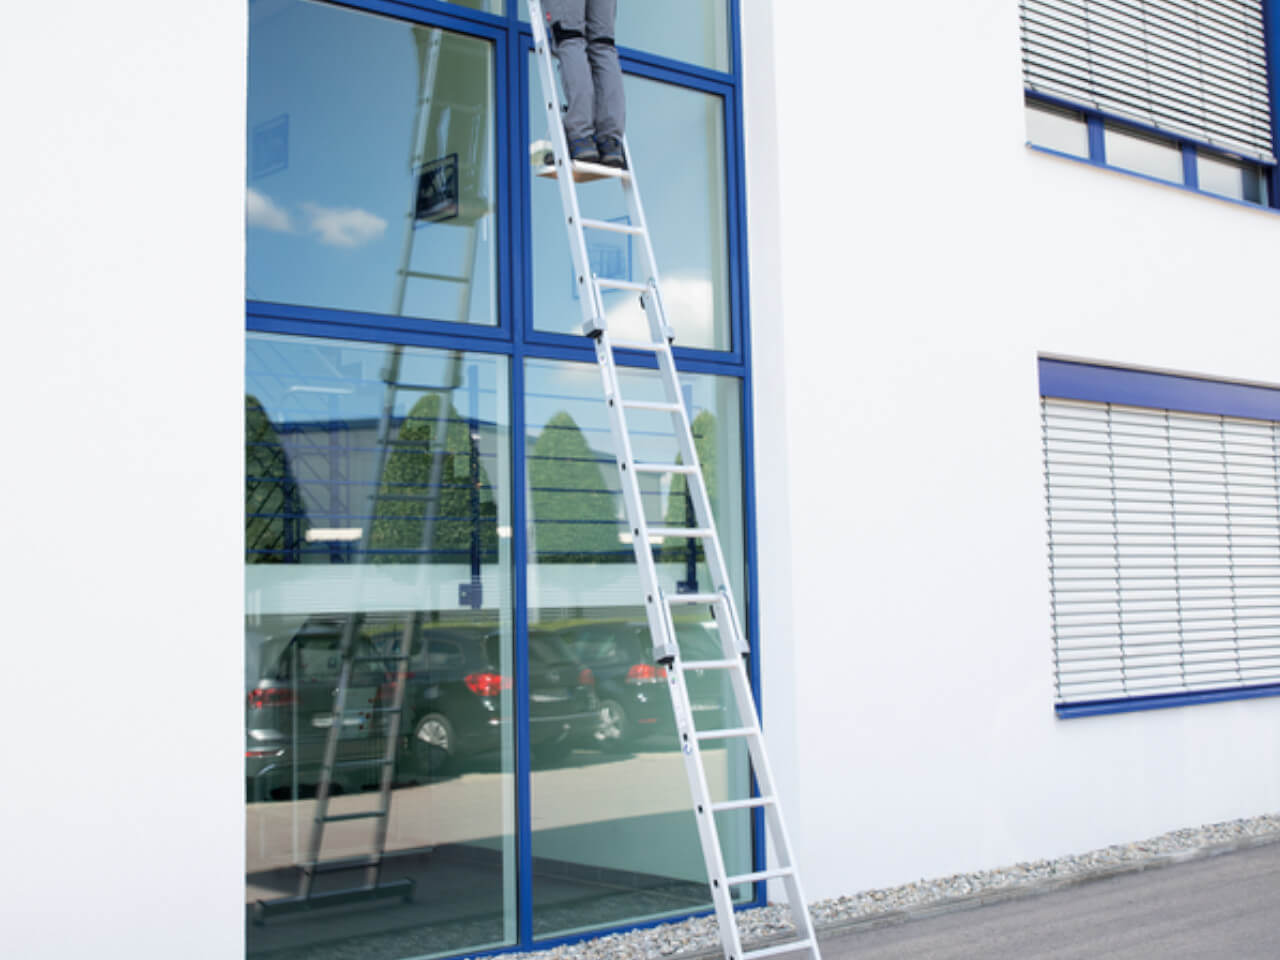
{"x": 336, "y": 723}
{"x": 392, "y": 734}
{"x": 588, "y": 296}
{"x": 776, "y": 822}
{"x": 661, "y": 329}
{"x": 709, "y": 834}
{"x": 663, "y": 642}
{"x": 427, "y": 69}
{"x": 696, "y": 485}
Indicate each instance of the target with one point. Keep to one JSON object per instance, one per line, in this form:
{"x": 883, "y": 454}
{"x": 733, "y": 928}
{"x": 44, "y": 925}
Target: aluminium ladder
{"x": 658, "y": 602}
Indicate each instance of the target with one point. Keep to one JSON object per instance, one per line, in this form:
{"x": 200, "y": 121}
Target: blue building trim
{"x": 1164, "y": 701}
{"x": 1071, "y": 380}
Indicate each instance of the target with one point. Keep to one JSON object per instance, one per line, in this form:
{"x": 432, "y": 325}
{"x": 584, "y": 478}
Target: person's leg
{"x": 567, "y": 29}
{"x": 610, "y": 108}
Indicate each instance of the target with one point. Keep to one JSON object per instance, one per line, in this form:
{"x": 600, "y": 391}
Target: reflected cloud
{"x": 690, "y": 303}
{"x": 343, "y": 227}
{"x": 261, "y": 211}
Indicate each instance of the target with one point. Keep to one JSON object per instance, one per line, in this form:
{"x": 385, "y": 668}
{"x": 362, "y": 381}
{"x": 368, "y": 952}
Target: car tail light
{"x": 263, "y": 697}
{"x": 586, "y": 678}
{"x": 487, "y": 684}
{"x": 646, "y": 673}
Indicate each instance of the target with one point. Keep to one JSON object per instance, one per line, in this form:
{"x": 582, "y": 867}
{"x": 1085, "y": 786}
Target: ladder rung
{"x": 691, "y": 599}
{"x": 446, "y": 277}
{"x": 650, "y": 345}
{"x": 362, "y": 815}
{"x": 693, "y": 533}
{"x": 333, "y": 866}
{"x": 710, "y": 664}
{"x": 662, "y": 406}
{"x": 612, "y": 227}
{"x": 610, "y": 283}
{"x": 741, "y": 804}
{"x": 727, "y": 733}
{"x": 779, "y": 949}
{"x": 760, "y": 875}
{"x": 423, "y": 387}
{"x": 663, "y": 468}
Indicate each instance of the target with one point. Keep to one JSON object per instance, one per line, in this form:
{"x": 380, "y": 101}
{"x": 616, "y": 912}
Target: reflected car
{"x": 635, "y": 702}
{"x": 457, "y": 703}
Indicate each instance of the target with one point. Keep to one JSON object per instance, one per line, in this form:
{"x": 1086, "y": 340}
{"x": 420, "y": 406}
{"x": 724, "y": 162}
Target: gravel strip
{"x": 696, "y": 937}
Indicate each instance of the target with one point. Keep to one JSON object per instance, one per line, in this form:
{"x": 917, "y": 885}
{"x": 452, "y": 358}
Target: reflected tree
{"x": 575, "y": 513}
{"x": 274, "y": 516}
{"x": 460, "y": 510}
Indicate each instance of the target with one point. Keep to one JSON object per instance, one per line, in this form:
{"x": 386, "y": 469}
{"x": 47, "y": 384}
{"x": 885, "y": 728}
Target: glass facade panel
{"x": 484, "y": 6}
{"x": 1057, "y": 129}
{"x": 614, "y": 838}
{"x": 377, "y": 518}
{"x": 371, "y": 164}
{"x": 1140, "y": 153}
{"x": 677, "y": 140}
{"x": 696, "y": 31}
{"x": 1231, "y": 178}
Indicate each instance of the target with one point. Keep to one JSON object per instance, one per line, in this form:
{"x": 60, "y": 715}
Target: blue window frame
{"x": 514, "y": 337}
{"x": 1163, "y": 509}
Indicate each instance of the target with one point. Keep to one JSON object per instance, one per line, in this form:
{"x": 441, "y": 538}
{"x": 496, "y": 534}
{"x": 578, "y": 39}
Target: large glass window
{"x": 614, "y": 834}
{"x": 370, "y": 174}
{"x": 382, "y": 629}
{"x": 696, "y": 31}
{"x": 676, "y": 137}
{"x": 377, "y": 517}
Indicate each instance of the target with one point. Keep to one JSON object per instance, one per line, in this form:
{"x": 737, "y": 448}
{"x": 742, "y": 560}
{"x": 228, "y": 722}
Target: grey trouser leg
{"x": 582, "y": 34}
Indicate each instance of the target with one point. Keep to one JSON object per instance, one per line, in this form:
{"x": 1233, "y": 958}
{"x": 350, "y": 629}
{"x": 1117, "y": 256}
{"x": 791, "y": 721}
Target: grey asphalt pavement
{"x": 1226, "y": 906}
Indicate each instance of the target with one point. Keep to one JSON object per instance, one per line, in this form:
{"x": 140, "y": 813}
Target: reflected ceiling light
{"x": 303, "y": 388}
{"x": 334, "y": 534}
{"x": 504, "y": 532}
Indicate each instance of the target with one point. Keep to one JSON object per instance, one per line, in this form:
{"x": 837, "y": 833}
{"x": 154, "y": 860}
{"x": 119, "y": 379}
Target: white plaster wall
{"x": 122, "y": 287}
{"x": 910, "y": 258}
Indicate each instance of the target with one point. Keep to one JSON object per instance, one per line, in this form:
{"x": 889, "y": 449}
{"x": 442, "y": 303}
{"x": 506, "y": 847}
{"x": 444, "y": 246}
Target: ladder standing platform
{"x": 659, "y": 604}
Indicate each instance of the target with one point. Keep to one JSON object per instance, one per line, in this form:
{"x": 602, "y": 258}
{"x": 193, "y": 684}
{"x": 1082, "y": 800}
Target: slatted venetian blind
{"x": 1164, "y": 545}
{"x": 1196, "y": 68}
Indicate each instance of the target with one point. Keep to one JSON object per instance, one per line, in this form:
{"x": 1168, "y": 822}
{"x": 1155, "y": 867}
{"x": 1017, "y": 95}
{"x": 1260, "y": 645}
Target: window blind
{"x": 1164, "y": 548}
{"x": 1196, "y": 68}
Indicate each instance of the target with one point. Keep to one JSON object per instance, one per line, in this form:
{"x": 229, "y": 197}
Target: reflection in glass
{"x": 1231, "y": 178}
{"x": 614, "y": 836}
{"x": 1142, "y": 153}
{"x": 687, "y": 221}
{"x": 1057, "y": 129}
{"x": 696, "y": 31}
{"x": 377, "y": 521}
{"x": 484, "y": 6}
{"x": 370, "y": 169}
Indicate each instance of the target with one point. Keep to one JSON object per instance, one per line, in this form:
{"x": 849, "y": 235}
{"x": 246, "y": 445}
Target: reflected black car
{"x": 635, "y": 702}
{"x": 457, "y": 703}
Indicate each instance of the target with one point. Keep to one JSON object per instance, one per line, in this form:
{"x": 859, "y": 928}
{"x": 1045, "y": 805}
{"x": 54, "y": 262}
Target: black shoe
{"x": 610, "y": 149}
{"x": 584, "y": 148}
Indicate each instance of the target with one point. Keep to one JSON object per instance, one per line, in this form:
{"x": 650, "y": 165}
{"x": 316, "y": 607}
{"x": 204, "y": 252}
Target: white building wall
{"x": 121, "y": 813}
{"x": 927, "y": 256}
